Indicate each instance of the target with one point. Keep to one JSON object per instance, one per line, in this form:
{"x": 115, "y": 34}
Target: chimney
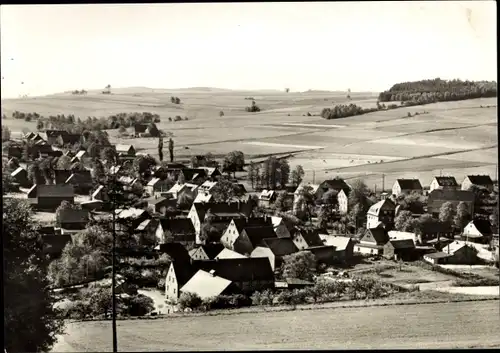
{"x": 212, "y": 272}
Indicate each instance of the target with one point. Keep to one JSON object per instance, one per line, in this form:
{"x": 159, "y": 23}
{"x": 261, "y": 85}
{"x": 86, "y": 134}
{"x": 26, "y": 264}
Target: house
{"x": 434, "y": 230}
{"x": 54, "y": 137}
{"x": 266, "y": 198}
{"x": 100, "y": 194}
{"x": 125, "y": 150}
{"x": 14, "y": 151}
{"x": 176, "y": 251}
{"x": 188, "y": 189}
{"x": 140, "y": 129}
{"x": 400, "y": 249}
{"x": 179, "y": 273}
{"x": 343, "y": 201}
{"x": 478, "y": 231}
{"x": 458, "y": 253}
{"x": 224, "y": 212}
{"x": 203, "y": 198}
{"x": 194, "y": 175}
{"x": 61, "y": 175}
{"x": 397, "y": 235}
{"x": 304, "y": 238}
{"x": 444, "y": 183}
{"x": 49, "y": 197}
{"x": 337, "y": 184}
{"x": 383, "y": 212}
{"x": 81, "y": 181}
{"x": 275, "y": 249}
{"x": 79, "y": 157}
{"x": 281, "y": 227}
{"x": 232, "y": 235}
{"x": 208, "y": 284}
{"x": 206, "y": 187}
{"x": 406, "y": 186}
{"x": 130, "y": 218}
{"x": 229, "y": 254}
{"x": 439, "y": 243}
{"x": 249, "y": 274}
{"x": 175, "y": 230}
{"x": 438, "y": 197}
{"x": 206, "y": 252}
{"x": 372, "y": 241}
{"x": 292, "y": 283}
{"x": 324, "y": 254}
{"x": 315, "y": 190}
{"x": 212, "y": 172}
{"x": 159, "y": 204}
{"x": 250, "y": 238}
{"x": 344, "y": 246}
{"x": 477, "y": 180}
{"x": 20, "y": 176}
{"x": 157, "y": 185}
{"x": 92, "y": 205}
{"x": 73, "y": 219}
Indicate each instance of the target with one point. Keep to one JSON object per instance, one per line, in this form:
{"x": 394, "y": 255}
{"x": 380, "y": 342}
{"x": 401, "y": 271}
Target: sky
{"x": 362, "y": 46}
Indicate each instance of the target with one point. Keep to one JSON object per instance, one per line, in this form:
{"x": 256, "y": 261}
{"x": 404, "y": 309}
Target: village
{"x": 228, "y": 231}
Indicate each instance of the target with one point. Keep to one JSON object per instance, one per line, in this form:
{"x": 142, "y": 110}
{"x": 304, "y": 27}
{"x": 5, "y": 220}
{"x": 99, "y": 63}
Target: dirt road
{"x": 444, "y": 325}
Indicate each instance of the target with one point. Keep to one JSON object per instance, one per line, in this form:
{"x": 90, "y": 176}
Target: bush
{"x": 177, "y": 118}
{"x": 139, "y": 305}
{"x": 221, "y": 113}
{"x": 263, "y": 298}
{"x": 27, "y": 118}
{"x": 227, "y": 302}
{"x": 190, "y": 300}
{"x": 253, "y": 108}
{"x": 76, "y": 310}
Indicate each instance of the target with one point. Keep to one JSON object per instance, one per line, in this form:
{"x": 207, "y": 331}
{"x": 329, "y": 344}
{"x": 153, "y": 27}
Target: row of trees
{"x": 175, "y": 100}
{"x": 344, "y": 111}
{"x": 273, "y": 172}
{"x": 437, "y": 90}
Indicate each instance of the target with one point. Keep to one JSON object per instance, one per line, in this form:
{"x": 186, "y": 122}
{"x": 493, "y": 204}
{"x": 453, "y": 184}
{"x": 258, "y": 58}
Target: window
{"x": 174, "y": 290}
{"x": 167, "y": 286}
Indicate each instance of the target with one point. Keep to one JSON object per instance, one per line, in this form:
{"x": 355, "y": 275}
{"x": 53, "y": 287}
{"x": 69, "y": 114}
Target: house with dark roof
{"x": 337, "y": 184}
{"x": 20, "y": 176}
{"x": 179, "y": 273}
{"x": 193, "y": 175}
{"x": 140, "y": 129}
{"x": 100, "y": 193}
{"x": 130, "y": 219}
{"x": 477, "y": 180}
{"x": 406, "y": 186}
{"x": 236, "y": 226}
{"x": 324, "y": 254}
{"x": 81, "y": 181}
{"x": 457, "y": 252}
{"x": 125, "y": 150}
{"x": 175, "y": 230}
{"x": 282, "y": 227}
{"x": 73, "y": 219}
{"x": 304, "y": 238}
{"x": 478, "y": 231}
{"x": 250, "y": 238}
{"x": 79, "y": 156}
{"x": 275, "y": 249}
{"x": 206, "y": 252}
{"x": 249, "y": 274}
{"x": 400, "y": 249}
{"x": 444, "y": 183}
{"x": 159, "y": 204}
{"x": 49, "y": 197}
{"x": 372, "y": 241}
{"x": 61, "y": 175}
{"x": 222, "y": 213}
{"x": 14, "y": 151}
{"x": 438, "y": 197}
{"x": 267, "y": 197}
{"x": 383, "y": 212}
{"x": 434, "y": 230}
{"x": 344, "y": 246}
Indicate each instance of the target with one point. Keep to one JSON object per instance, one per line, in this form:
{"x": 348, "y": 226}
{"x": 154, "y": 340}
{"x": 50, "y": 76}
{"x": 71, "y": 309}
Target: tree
{"x": 13, "y": 164}
{"x": 64, "y": 163}
{"x": 65, "y": 205}
{"x": 98, "y": 172}
{"x": 234, "y": 161}
{"x": 284, "y": 172}
{"x": 404, "y": 222}
{"x": 447, "y": 213}
{"x": 225, "y": 191}
{"x": 35, "y": 173}
{"x": 358, "y": 195}
{"x": 462, "y": 216}
{"x": 31, "y": 322}
{"x": 297, "y": 175}
{"x": 109, "y": 155}
{"x": 46, "y": 169}
{"x": 143, "y": 165}
{"x": 304, "y": 200}
{"x": 181, "y": 179}
{"x": 301, "y": 265}
{"x": 287, "y": 90}
{"x": 189, "y": 300}
{"x": 330, "y": 198}
{"x": 252, "y": 174}
{"x": 5, "y": 133}
{"x": 209, "y": 233}
{"x": 221, "y": 113}
{"x": 171, "y": 149}
{"x": 93, "y": 150}
{"x": 39, "y": 125}
{"x": 281, "y": 203}
{"x": 356, "y": 216}
{"x": 325, "y": 215}
{"x": 160, "y": 148}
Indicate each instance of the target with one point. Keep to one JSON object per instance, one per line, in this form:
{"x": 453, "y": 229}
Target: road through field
{"x": 444, "y": 325}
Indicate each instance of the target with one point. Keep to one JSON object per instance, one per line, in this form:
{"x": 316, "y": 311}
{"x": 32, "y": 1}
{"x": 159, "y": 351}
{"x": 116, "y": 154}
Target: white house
{"x": 343, "y": 201}
{"x": 444, "y": 183}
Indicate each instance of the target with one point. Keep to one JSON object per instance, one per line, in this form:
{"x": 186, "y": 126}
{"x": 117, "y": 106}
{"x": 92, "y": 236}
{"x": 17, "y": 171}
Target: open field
{"x": 458, "y": 325}
{"x": 455, "y": 138}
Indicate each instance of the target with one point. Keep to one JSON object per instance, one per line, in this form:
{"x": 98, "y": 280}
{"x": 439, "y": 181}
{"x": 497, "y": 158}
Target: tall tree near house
{"x": 64, "y": 163}
{"x": 258, "y": 179}
{"x": 35, "y": 173}
{"x": 281, "y": 204}
{"x": 160, "y": 148}
{"x": 297, "y": 175}
{"x": 462, "y": 216}
{"x": 252, "y": 174}
{"x": 356, "y": 216}
{"x": 31, "y": 322}
{"x": 109, "y": 155}
{"x": 98, "y": 173}
{"x": 404, "y": 222}
{"x": 234, "y": 161}
{"x": 181, "y": 179}
{"x": 171, "y": 149}
{"x": 265, "y": 173}
{"x": 5, "y": 133}
{"x": 225, "y": 190}
{"x": 303, "y": 203}
{"x": 301, "y": 265}
{"x": 273, "y": 172}
{"x": 284, "y": 172}
{"x": 447, "y": 213}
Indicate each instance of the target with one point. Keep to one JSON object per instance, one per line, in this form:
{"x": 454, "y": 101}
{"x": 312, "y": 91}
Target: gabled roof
{"x": 212, "y": 249}
{"x": 155, "y": 200}
{"x": 280, "y": 246}
{"x": 402, "y": 243}
{"x": 454, "y": 247}
{"x": 314, "y": 187}
{"x": 208, "y": 185}
{"x": 267, "y": 194}
{"x": 438, "y": 255}
{"x": 242, "y": 223}
{"x": 409, "y": 184}
{"x": 176, "y": 188}
{"x": 229, "y": 254}
{"x": 336, "y": 184}
{"x": 379, "y": 235}
{"x": 397, "y": 235}
{"x": 130, "y": 213}
{"x": 482, "y": 180}
{"x": 193, "y": 173}
{"x": 80, "y": 154}
{"x": 222, "y": 209}
{"x": 144, "y": 224}
{"x": 74, "y": 216}
{"x": 177, "y": 253}
{"x": 97, "y": 191}
{"x": 123, "y": 148}
{"x": 202, "y": 198}
{"x": 206, "y": 285}
{"x": 437, "y": 197}
{"x": 17, "y": 171}
{"x": 140, "y": 127}
{"x": 482, "y": 225}
{"x": 153, "y": 181}
{"x": 257, "y": 234}
{"x": 311, "y": 236}
{"x": 61, "y": 175}
{"x": 386, "y": 204}
{"x": 446, "y": 181}
{"x": 340, "y": 243}
{"x": 178, "y": 226}
{"x": 211, "y": 171}
{"x": 127, "y": 180}
{"x": 239, "y": 270}
{"x": 50, "y": 191}
{"x": 80, "y": 177}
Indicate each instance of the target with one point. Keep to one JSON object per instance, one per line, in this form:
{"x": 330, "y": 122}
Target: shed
{"x": 402, "y": 249}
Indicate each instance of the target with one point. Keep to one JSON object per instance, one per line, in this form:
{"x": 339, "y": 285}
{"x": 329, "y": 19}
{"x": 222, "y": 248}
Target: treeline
{"x": 72, "y": 124}
{"x": 344, "y": 111}
{"x": 437, "y": 90}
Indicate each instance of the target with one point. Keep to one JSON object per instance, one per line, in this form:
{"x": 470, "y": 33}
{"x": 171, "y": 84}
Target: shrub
{"x": 157, "y": 119}
{"x": 309, "y": 114}
{"x": 76, "y": 310}
{"x": 186, "y": 118}
{"x": 139, "y": 305}
{"x": 27, "y": 118}
{"x": 177, "y": 118}
{"x": 169, "y": 118}
{"x": 263, "y": 298}
{"x": 253, "y": 108}
{"x": 221, "y": 113}
{"x": 189, "y": 300}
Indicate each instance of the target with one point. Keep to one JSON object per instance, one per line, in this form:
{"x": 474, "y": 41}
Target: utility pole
{"x": 383, "y": 182}
{"x": 113, "y": 280}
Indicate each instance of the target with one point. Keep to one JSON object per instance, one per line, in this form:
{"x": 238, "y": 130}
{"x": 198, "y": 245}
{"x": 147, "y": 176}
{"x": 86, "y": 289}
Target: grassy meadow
{"x": 457, "y": 138}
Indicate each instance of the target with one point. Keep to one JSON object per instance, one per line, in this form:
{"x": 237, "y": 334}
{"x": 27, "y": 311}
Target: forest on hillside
{"x": 437, "y": 90}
